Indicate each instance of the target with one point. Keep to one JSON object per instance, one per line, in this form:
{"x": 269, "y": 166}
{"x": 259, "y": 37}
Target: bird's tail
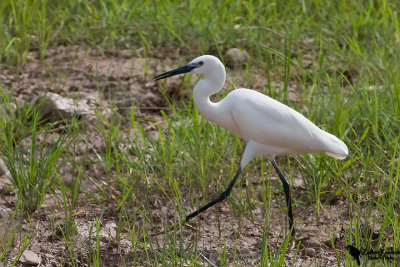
{"x": 336, "y": 147}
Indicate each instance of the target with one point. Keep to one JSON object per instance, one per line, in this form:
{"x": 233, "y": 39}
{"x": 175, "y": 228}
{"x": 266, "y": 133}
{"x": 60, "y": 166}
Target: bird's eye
{"x": 201, "y": 63}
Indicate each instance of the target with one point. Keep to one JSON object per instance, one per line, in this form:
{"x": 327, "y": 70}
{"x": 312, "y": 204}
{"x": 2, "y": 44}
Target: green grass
{"x": 351, "y": 88}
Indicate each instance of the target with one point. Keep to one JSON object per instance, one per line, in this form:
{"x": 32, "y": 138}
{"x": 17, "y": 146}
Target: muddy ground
{"x": 114, "y": 82}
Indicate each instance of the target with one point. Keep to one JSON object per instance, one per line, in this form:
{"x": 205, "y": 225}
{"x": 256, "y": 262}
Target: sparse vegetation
{"x": 93, "y": 190}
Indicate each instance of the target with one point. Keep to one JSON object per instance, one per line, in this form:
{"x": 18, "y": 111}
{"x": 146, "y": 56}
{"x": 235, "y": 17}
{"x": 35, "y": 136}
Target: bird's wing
{"x": 267, "y": 121}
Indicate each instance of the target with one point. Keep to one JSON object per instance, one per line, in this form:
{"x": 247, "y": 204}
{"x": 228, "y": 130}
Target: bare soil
{"x": 117, "y": 81}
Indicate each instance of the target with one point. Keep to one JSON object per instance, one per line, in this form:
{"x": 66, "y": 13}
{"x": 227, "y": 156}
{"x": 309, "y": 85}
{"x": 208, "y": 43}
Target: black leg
{"x": 220, "y": 198}
{"x": 286, "y": 189}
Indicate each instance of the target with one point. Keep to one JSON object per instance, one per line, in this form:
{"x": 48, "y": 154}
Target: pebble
{"x": 235, "y": 56}
{"x": 312, "y": 242}
{"x": 57, "y": 107}
{"x": 310, "y": 252}
{"x": 30, "y": 258}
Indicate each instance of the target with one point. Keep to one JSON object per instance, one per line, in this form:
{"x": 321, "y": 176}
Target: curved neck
{"x": 211, "y": 84}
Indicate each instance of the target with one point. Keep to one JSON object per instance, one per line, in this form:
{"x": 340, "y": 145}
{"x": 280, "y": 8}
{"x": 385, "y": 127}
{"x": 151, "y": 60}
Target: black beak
{"x": 184, "y": 69}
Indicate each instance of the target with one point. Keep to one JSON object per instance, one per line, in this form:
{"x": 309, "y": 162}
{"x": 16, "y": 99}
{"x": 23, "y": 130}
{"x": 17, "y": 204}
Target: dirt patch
{"x": 87, "y": 74}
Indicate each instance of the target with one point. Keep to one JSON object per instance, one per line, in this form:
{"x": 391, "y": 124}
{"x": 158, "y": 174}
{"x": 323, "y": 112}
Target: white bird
{"x": 269, "y": 127}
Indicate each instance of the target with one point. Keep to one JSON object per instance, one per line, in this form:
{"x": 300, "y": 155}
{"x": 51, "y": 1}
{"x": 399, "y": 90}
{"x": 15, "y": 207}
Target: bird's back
{"x": 264, "y": 120}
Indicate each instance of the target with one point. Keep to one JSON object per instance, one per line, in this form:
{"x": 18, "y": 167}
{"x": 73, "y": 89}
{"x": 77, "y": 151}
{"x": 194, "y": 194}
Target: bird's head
{"x": 205, "y": 65}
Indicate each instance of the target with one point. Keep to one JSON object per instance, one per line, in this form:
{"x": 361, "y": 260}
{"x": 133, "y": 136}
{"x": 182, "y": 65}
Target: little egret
{"x": 269, "y": 127}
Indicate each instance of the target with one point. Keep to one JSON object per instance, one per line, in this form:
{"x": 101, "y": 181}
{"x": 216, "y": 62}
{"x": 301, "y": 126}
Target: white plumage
{"x": 269, "y": 127}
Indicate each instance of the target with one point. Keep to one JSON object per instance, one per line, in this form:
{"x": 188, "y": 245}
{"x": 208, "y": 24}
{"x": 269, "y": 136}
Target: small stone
{"x": 310, "y": 252}
{"x": 68, "y": 180}
{"x": 299, "y": 183}
{"x": 235, "y": 56}
{"x": 30, "y": 258}
{"x": 312, "y": 242}
{"x": 56, "y": 107}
